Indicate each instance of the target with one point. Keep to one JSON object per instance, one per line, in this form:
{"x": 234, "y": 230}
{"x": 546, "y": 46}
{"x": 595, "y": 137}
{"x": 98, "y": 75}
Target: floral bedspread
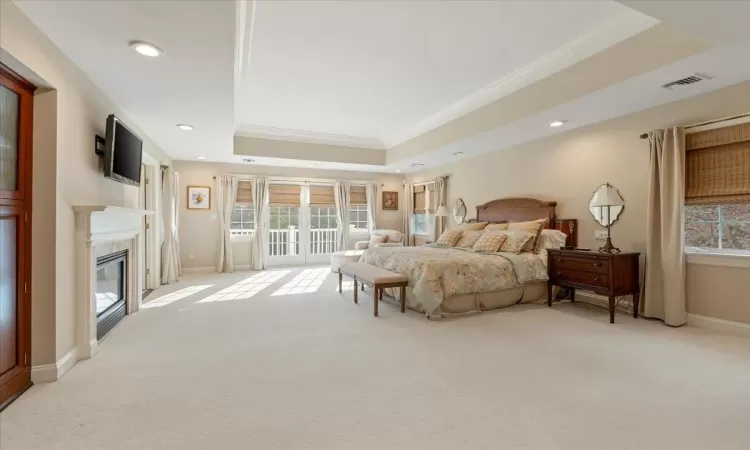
{"x": 437, "y": 273}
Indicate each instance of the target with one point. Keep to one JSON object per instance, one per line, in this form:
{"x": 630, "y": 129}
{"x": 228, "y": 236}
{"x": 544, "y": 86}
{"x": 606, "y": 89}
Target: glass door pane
{"x": 284, "y": 235}
{"x": 322, "y": 233}
{"x": 9, "y": 107}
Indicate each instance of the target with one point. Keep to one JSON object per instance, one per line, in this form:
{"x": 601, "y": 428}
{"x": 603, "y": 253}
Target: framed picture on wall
{"x": 390, "y": 200}
{"x": 199, "y": 197}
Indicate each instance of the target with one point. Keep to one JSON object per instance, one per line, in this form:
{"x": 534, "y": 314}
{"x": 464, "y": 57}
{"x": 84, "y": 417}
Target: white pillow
{"x": 551, "y": 239}
{"x": 375, "y": 240}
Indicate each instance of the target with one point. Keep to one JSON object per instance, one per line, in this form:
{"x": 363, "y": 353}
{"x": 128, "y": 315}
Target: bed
{"x": 446, "y": 282}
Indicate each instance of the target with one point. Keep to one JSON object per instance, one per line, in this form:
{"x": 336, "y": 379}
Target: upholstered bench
{"x": 339, "y": 258}
{"x": 376, "y": 277}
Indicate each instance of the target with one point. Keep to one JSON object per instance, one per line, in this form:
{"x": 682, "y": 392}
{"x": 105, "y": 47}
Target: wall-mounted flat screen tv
{"x": 123, "y": 151}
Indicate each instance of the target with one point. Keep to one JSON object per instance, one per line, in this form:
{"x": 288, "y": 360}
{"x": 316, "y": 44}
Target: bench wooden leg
{"x": 381, "y": 294}
{"x": 403, "y": 298}
{"x": 355, "y": 290}
{"x": 363, "y": 287}
{"x": 340, "y": 277}
{"x": 375, "y": 301}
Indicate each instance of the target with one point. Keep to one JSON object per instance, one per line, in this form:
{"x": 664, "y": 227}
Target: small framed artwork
{"x": 390, "y": 200}
{"x": 199, "y": 197}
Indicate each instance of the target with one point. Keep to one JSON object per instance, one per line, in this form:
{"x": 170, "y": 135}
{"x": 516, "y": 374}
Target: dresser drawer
{"x": 584, "y": 263}
{"x": 561, "y": 274}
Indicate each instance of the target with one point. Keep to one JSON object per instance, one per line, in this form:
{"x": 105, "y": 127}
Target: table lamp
{"x": 607, "y": 198}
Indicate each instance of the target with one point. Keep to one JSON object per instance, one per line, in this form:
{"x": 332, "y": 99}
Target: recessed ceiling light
{"x": 398, "y": 170}
{"x": 557, "y": 123}
{"x": 416, "y": 165}
{"x": 311, "y": 165}
{"x": 248, "y": 160}
{"x": 458, "y": 153}
{"x": 146, "y": 49}
{"x": 201, "y": 157}
{"x": 185, "y": 127}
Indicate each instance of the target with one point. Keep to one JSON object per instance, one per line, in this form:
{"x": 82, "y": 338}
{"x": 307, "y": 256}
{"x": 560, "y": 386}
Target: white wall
{"x": 568, "y": 167}
{"x": 80, "y": 113}
{"x": 199, "y": 231}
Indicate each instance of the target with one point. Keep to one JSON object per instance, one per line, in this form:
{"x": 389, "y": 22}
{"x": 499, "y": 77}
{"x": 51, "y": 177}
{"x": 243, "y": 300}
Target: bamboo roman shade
{"x": 321, "y": 196}
{"x": 244, "y": 193}
{"x": 717, "y": 166}
{"x": 422, "y": 203}
{"x": 357, "y": 195}
{"x": 284, "y": 195}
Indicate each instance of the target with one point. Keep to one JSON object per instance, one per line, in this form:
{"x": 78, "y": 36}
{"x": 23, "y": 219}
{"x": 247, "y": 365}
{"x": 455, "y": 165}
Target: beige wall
{"x": 199, "y": 229}
{"x": 569, "y": 167}
{"x": 79, "y": 110}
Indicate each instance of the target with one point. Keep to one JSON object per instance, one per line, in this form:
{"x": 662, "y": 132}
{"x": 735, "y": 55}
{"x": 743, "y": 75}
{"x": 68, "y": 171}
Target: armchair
{"x": 394, "y": 238}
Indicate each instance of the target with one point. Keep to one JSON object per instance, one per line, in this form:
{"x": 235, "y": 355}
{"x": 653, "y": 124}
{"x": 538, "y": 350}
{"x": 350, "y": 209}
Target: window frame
{"x": 717, "y": 256}
{"x": 240, "y": 234}
{"x": 429, "y": 216}
{"x": 354, "y": 231}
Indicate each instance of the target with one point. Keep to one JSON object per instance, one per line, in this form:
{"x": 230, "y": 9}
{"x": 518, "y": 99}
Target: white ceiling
{"x": 191, "y": 83}
{"x": 365, "y": 73}
{"x": 374, "y": 70}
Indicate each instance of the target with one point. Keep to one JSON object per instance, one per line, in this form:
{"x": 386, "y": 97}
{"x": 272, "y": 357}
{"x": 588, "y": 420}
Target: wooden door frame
{"x": 21, "y": 199}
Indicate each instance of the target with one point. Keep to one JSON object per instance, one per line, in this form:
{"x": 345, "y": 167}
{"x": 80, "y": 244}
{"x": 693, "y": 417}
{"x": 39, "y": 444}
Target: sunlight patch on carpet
{"x": 308, "y": 281}
{"x": 174, "y": 296}
{"x": 248, "y": 287}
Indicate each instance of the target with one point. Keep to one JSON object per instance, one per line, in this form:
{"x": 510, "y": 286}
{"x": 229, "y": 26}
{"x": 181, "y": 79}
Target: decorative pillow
{"x": 448, "y": 238}
{"x": 516, "y": 242}
{"x": 490, "y": 242}
{"x": 497, "y": 226}
{"x": 534, "y": 226}
{"x": 375, "y": 240}
{"x": 551, "y": 239}
{"x": 472, "y": 226}
{"x": 469, "y": 238}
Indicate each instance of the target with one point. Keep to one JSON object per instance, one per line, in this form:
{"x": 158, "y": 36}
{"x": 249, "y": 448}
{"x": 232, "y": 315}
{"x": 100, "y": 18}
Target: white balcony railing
{"x": 286, "y": 242}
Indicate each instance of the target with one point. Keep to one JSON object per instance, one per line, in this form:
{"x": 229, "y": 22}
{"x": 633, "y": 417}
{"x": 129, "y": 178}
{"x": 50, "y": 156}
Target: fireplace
{"x": 111, "y": 291}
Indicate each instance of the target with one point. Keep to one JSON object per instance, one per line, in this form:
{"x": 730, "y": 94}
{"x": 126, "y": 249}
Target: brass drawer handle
{"x": 559, "y": 259}
{"x": 596, "y": 278}
{"x": 597, "y": 264}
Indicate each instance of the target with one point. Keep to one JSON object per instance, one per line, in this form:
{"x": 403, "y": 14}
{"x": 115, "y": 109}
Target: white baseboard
{"x": 712, "y": 323}
{"x": 48, "y": 373}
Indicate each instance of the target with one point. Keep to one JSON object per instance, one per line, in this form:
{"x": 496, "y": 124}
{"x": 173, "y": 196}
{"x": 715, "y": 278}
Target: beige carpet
{"x": 281, "y": 361}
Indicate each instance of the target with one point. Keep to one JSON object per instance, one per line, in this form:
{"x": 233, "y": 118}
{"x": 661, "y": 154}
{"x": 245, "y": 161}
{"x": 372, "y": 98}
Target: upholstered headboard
{"x": 523, "y": 209}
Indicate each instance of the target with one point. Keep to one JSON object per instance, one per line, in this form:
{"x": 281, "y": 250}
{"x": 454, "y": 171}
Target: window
{"x": 423, "y": 219}
{"x": 717, "y": 226}
{"x": 323, "y": 233}
{"x": 358, "y": 219}
{"x": 323, "y": 218}
{"x": 243, "y": 215}
{"x": 717, "y": 189}
{"x": 243, "y": 220}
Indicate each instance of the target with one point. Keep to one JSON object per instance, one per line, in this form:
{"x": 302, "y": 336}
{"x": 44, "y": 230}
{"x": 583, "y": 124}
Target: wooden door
{"x": 16, "y": 116}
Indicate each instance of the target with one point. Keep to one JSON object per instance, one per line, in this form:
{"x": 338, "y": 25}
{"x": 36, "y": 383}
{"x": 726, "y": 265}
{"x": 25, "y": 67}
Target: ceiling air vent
{"x": 692, "y": 79}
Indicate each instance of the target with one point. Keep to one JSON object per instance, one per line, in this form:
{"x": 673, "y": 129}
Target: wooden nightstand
{"x": 609, "y": 274}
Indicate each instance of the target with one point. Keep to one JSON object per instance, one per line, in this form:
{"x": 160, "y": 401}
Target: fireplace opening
{"x": 111, "y": 291}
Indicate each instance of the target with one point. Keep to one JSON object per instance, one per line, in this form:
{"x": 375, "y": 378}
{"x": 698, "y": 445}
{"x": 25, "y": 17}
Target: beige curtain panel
{"x": 284, "y": 195}
{"x": 664, "y": 296}
{"x": 225, "y": 194}
{"x": 358, "y": 195}
{"x": 717, "y": 168}
{"x": 408, "y": 212}
{"x": 244, "y": 193}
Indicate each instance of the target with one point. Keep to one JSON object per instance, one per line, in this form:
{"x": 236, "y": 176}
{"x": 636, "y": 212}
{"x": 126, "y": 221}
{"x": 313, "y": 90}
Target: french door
{"x": 302, "y": 224}
{"x": 16, "y": 116}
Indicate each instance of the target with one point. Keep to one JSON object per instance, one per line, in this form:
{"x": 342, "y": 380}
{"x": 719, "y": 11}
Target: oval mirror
{"x": 606, "y": 205}
{"x": 459, "y": 211}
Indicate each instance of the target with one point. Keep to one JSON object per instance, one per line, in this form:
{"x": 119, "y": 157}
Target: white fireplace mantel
{"x": 101, "y": 230}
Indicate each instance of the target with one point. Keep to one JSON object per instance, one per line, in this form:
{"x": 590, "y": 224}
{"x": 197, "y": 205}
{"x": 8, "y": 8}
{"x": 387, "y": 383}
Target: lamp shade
{"x": 607, "y": 197}
{"x": 442, "y": 211}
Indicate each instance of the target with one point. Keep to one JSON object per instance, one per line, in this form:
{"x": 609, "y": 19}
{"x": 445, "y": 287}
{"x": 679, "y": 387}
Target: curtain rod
{"x": 708, "y": 122}
{"x": 422, "y": 183}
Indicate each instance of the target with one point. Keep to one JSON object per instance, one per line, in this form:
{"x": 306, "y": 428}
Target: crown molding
{"x": 563, "y": 57}
{"x": 310, "y": 137}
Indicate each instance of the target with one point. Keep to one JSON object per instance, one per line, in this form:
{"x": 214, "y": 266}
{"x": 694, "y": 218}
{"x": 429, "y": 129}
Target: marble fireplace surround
{"x": 100, "y": 231}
